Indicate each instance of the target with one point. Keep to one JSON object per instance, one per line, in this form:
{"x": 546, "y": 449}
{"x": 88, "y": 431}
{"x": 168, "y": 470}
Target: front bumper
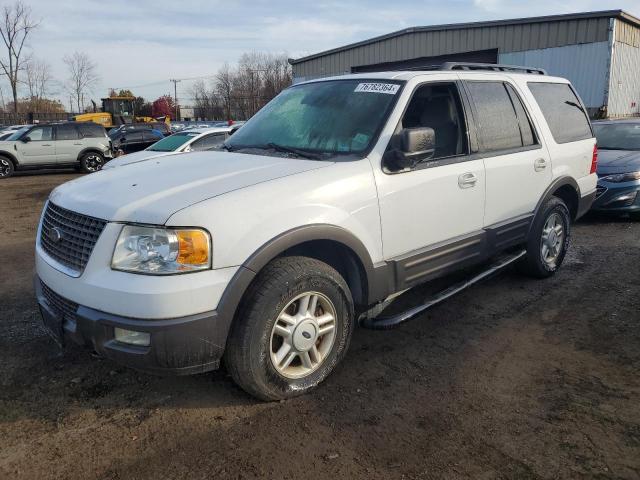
{"x": 617, "y": 198}
{"x": 179, "y": 346}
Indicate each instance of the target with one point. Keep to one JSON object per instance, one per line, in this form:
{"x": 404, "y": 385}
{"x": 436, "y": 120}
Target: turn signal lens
{"x": 193, "y": 247}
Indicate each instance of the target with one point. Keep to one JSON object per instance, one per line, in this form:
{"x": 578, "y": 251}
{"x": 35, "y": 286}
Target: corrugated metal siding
{"x": 624, "y": 89}
{"x": 584, "y": 65}
{"x": 627, "y": 33}
{"x": 507, "y": 38}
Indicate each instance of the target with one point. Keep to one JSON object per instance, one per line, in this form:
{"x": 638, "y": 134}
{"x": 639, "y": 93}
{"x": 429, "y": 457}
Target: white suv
{"x": 336, "y": 196}
{"x": 83, "y": 145}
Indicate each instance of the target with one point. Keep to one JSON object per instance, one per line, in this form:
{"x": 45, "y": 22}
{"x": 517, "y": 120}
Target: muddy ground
{"x": 515, "y": 378}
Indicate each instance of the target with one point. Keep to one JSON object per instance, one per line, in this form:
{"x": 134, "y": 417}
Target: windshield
{"x": 172, "y": 142}
{"x": 17, "y": 134}
{"x": 618, "y": 136}
{"x": 334, "y": 117}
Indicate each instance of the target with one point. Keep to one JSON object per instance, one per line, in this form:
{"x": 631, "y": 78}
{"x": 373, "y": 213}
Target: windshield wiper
{"x": 295, "y": 151}
{"x": 227, "y": 147}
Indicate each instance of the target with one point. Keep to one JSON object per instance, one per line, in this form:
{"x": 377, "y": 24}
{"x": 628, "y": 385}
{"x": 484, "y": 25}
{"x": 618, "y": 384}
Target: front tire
{"x": 91, "y": 162}
{"x": 6, "y": 167}
{"x": 292, "y": 331}
{"x": 548, "y": 240}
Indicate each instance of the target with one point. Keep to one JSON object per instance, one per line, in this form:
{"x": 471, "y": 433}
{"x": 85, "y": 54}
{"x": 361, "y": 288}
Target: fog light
{"x": 141, "y": 339}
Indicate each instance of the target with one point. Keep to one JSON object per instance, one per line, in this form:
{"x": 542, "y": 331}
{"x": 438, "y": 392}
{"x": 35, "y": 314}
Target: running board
{"x": 375, "y": 322}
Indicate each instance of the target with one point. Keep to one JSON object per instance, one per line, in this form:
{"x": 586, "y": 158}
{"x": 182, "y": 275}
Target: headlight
{"x": 622, "y": 177}
{"x": 161, "y": 251}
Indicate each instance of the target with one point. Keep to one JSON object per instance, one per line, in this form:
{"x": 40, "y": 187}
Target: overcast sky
{"x": 142, "y": 44}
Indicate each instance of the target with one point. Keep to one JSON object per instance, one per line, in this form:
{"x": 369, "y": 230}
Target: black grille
{"x": 600, "y": 190}
{"x": 66, "y": 308}
{"x": 78, "y": 233}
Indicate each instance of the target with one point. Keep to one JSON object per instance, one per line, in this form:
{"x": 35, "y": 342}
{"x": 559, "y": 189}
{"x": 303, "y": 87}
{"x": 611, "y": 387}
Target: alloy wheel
{"x": 552, "y": 239}
{"x": 303, "y": 335}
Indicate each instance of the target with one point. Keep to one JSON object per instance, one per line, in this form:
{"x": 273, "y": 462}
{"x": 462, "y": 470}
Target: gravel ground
{"x": 514, "y": 378}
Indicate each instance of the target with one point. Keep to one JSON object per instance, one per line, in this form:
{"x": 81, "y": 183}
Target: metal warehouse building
{"x": 598, "y": 51}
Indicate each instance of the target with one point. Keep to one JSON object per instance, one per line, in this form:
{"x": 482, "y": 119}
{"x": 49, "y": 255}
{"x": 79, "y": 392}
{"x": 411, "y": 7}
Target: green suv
{"x": 52, "y": 145}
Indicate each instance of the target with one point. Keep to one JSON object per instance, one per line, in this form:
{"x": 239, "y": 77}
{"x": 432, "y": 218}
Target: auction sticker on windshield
{"x": 390, "y": 88}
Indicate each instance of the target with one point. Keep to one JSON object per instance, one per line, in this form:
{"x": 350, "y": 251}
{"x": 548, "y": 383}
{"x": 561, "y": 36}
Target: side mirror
{"x": 26, "y": 139}
{"x": 416, "y": 145}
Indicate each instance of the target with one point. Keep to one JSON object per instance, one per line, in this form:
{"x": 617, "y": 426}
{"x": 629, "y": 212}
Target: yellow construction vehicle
{"x": 117, "y": 111}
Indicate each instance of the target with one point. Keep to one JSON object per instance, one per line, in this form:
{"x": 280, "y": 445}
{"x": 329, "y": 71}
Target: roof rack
{"x": 492, "y": 67}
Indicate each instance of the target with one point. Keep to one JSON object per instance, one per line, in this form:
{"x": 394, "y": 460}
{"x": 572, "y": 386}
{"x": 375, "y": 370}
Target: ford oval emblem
{"x": 55, "y": 235}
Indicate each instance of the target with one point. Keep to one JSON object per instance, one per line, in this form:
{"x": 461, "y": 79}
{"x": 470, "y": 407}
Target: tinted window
{"x": 41, "y": 134}
{"x": 91, "y": 130}
{"x": 66, "y": 132}
{"x": 152, "y": 135}
{"x": 495, "y": 117}
{"x": 438, "y": 106}
{"x": 207, "y": 142}
{"x": 618, "y": 136}
{"x": 562, "y": 110}
{"x": 526, "y": 130}
{"x": 131, "y": 137}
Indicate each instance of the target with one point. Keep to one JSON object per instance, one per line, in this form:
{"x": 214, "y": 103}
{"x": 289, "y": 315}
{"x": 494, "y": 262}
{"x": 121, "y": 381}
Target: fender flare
{"x": 235, "y": 290}
{"x": 551, "y": 189}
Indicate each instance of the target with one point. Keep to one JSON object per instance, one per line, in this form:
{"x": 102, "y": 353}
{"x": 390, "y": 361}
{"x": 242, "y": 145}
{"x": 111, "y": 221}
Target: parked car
{"x": 194, "y": 140}
{"x": 338, "y": 195}
{"x": 134, "y": 139}
{"x": 162, "y": 127}
{"x": 54, "y": 145}
{"x": 618, "y": 167}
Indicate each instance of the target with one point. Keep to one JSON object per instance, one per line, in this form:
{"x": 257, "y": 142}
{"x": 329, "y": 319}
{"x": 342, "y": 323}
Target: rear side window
{"x": 495, "y": 116}
{"x": 562, "y": 110}
{"x": 66, "y": 132}
{"x": 91, "y": 130}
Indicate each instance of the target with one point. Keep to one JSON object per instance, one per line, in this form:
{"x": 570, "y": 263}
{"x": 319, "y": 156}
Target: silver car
{"x": 70, "y": 144}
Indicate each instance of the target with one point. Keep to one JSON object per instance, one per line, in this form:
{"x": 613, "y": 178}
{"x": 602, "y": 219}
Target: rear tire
{"x": 91, "y": 162}
{"x": 6, "y": 167}
{"x": 293, "y": 329}
{"x": 548, "y": 240}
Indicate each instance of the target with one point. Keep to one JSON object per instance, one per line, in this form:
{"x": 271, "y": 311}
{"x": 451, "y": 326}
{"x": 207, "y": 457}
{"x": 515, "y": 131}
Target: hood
{"x": 134, "y": 157}
{"x": 151, "y": 191}
{"x": 618, "y": 161}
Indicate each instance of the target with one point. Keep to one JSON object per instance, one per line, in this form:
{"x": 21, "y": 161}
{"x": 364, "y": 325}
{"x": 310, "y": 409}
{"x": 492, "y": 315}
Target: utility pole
{"x": 175, "y": 97}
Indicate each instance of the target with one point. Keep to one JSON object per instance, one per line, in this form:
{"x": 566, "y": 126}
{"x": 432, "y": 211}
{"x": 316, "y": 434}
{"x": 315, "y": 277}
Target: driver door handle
{"x": 467, "y": 180}
{"x": 540, "y": 164}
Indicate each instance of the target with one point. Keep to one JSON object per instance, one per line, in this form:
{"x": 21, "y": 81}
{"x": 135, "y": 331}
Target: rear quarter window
{"x": 562, "y": 110}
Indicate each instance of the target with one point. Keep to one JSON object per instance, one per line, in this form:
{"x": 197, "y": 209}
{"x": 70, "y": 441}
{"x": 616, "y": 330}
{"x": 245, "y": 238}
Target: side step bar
{"x": 373, "y": 321}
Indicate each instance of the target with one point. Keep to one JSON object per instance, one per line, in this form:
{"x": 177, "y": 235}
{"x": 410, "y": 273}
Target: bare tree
{"x": 224, "y": 88}
{"x": 82, "y": 77}
{"x": 38, "y": 79}
{"x": 15, "y": 25}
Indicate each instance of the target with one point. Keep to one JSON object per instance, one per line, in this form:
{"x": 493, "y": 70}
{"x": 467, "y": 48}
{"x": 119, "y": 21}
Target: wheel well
{"x": 570, "y": 196}
{"x": 342, "y": 258}
{"x": 89, "y": 150}
{"x": 10, "y": 157}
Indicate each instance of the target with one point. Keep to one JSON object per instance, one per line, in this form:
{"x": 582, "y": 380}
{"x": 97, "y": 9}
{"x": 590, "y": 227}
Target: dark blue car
{"x": 618, "y": 167}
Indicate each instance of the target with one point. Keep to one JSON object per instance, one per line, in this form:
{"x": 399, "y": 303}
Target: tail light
{"x": 594, "y": 159}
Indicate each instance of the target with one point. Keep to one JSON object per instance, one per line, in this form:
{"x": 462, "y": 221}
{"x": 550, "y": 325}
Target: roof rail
{"x": 492, "y": 67}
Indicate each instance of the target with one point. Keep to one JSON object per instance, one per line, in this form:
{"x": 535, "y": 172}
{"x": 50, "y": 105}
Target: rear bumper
{"x": 585, "y": 204}
{"x": 178, "y": 346}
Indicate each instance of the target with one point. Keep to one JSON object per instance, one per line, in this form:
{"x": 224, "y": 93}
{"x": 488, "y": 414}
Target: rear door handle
{"x": 540, "y": 164}
{"x": 46, "y": 144}
{"x": 467, "y": 180}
